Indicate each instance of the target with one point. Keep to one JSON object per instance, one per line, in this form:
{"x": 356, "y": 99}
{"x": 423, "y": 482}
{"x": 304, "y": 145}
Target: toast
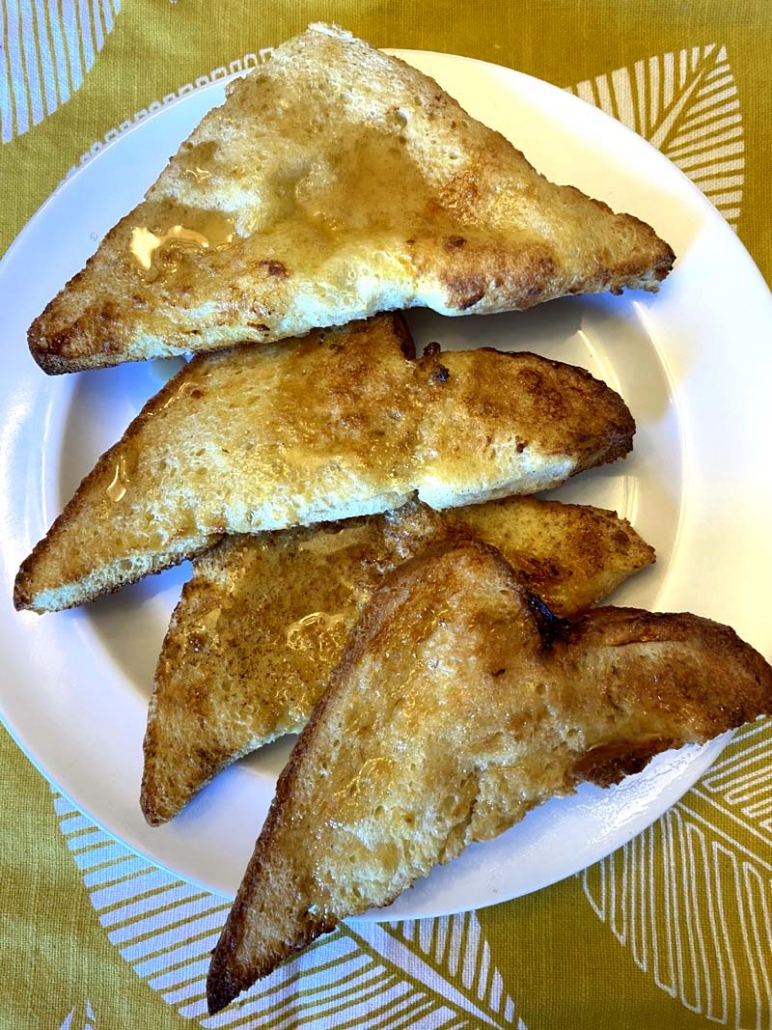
{"x": 460, "y": 704}
{"x": 264, "y": 619}
{"x": 334, "y": 182}
{"x": 337, "y": 424}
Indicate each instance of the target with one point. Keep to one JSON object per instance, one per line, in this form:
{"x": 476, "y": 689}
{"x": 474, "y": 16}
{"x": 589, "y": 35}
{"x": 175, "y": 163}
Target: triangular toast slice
{"x": 334, "y": 182}
{"x": 459, "y": 705}
{"x": 263, "y": 620}
{"x": 338, "y": 424}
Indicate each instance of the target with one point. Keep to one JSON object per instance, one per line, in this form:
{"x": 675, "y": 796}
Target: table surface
{"x": 675, "y": 929}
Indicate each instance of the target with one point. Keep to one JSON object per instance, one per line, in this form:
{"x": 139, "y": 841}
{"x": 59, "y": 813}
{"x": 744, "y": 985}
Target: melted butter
{"x": 208, "y": 622}
{"x": 198, "y": 174}
{"x": 116, "y": 489}
{"x": 157, "y": 253}
{"x": 182, "y": 391}
{"x": 202, "y": 635}
{"x": 372, "y": 772}
{"x": 316, "y": 630}
{"x": 369, "y": 183}
{"x": 323, "y": 222}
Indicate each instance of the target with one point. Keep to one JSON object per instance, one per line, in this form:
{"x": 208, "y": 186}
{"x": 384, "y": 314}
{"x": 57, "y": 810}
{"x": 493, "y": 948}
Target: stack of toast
{"x": 371, "y": 568}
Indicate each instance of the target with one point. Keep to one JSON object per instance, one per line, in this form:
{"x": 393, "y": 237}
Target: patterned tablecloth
{"x": 675, "y": 929}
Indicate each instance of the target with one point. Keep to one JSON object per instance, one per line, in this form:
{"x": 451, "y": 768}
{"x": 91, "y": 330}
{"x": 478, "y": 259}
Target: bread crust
{"x": 263, "y": 620}
{"x": 461, "y": 703}
{"x": 337, "y": 424}
{"x": 335, "y": 182}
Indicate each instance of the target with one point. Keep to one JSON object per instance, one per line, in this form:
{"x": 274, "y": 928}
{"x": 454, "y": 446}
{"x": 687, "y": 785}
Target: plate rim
{"x": 212, "y": 88}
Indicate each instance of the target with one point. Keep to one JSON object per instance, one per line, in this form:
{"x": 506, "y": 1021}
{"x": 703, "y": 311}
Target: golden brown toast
{"x": 264, "y": 619}
{"x": 338, "y": 424}
{"x": 334, "y": 182}
{"x": 460, "y": 704}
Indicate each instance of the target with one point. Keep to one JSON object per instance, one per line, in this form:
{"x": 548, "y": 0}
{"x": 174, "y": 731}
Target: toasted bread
{"x": 459, "y": 705}
{"x": 334, "y": 182}
{"x": 264, "y": 619}
{"x": 337, "y": 424}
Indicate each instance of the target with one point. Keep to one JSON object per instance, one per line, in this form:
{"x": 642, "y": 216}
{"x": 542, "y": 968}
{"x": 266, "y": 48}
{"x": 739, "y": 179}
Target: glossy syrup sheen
{"x": 310, "y": 185}
{"x": 156, "y": 251}
{"x": 295, "y": 625}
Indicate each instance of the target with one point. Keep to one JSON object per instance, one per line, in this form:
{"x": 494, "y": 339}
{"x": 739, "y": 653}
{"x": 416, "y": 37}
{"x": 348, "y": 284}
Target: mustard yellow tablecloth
{"x": 673, "y": 931}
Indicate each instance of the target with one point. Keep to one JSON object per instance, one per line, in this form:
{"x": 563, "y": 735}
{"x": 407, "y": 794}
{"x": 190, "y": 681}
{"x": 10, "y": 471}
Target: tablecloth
{"x": 672, "y": 931}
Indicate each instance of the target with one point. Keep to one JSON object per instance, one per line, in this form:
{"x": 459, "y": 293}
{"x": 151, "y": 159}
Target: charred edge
{"x": 403, "y": 335}
{"x": 224, "y": 984}
{"x": 221, "y": 990}
{"x": 549, "y": 625}
{"x": 608, "y": 764}
{"x": 275, "y": 268}
{"x": 438, "y": 373}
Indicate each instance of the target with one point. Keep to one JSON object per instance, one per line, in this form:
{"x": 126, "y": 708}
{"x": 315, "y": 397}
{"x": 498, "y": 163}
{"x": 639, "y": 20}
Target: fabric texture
{"x": 672, "y": 931}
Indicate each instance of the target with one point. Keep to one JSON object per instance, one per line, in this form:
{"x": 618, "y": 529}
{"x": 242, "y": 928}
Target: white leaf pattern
{"x": 48, "y": 50}
{"x": 427, "y": 975}
{"x": 686, "y": 105}
{"x": 456, "y": 945}
{"x": 234, "y": 67}
{"x": 691, "y": 898}
{"x": 73, "y": 1018}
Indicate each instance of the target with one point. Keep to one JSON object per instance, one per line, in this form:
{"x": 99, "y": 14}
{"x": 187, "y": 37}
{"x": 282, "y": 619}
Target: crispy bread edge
{"x": 25, "y": 590}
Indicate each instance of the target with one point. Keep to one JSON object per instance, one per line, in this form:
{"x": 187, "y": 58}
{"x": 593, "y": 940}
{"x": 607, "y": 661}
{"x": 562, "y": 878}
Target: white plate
{"x": 693, "y": 363}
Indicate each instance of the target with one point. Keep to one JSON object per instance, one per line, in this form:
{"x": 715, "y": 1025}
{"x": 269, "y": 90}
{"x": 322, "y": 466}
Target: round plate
{"x": 692, "y": 362}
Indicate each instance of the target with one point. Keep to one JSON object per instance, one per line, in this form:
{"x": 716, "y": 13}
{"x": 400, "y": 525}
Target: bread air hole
{"x": 398, "y": 118}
